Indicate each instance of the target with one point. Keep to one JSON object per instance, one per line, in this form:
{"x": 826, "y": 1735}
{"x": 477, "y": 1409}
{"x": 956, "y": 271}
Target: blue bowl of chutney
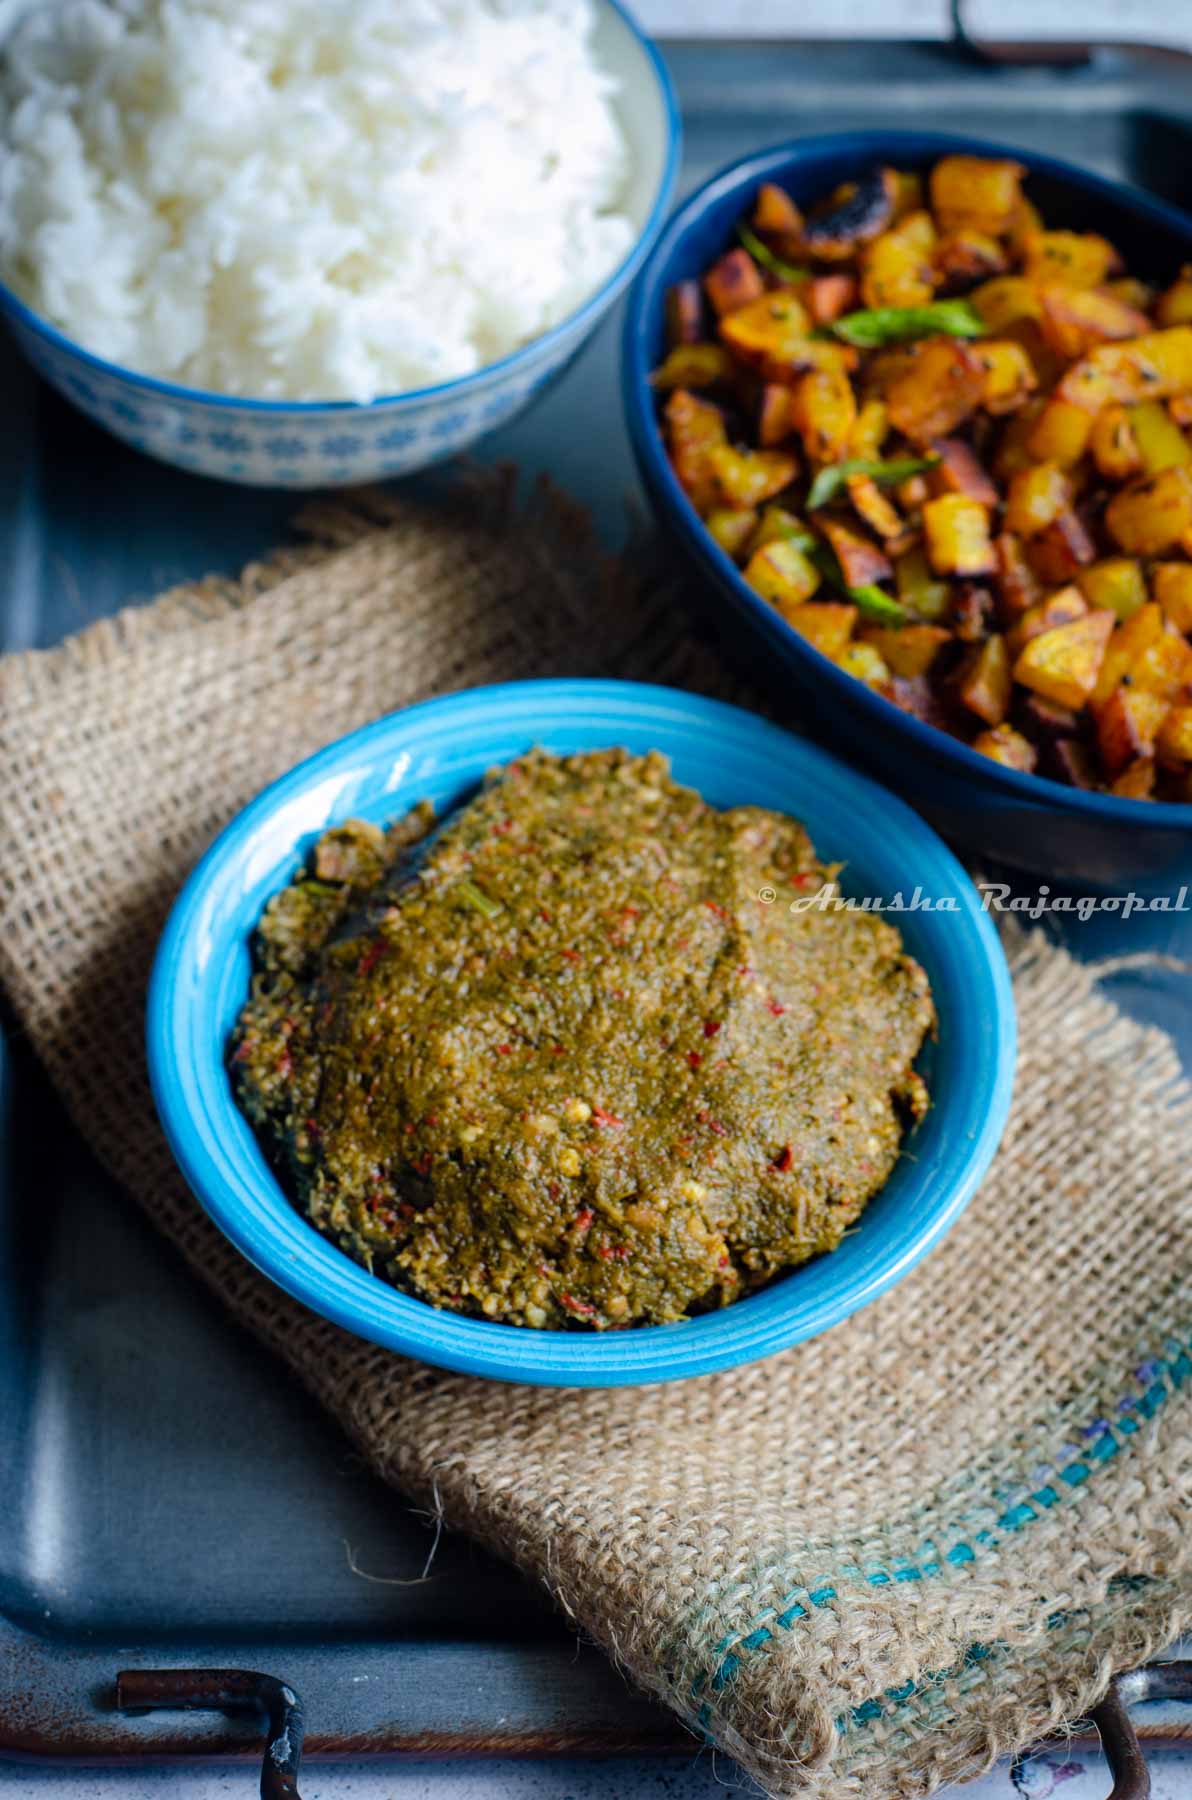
{"x": 440, "y": 750}
{"x": 1026, "y": 822}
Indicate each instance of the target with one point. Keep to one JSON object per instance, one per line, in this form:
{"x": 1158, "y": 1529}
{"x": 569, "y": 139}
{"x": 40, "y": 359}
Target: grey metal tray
{"x": 166, "y": 1497}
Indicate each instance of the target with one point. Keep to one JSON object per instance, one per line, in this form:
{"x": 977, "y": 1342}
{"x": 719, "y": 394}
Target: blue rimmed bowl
{"x": 311, "y": 444}
{"x": 1026, "y": 821}
{"x": 440, "y": 750}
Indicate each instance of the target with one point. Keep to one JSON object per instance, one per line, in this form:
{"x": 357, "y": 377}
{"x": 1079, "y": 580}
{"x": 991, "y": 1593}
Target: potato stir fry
{"x": 949, "y": 444}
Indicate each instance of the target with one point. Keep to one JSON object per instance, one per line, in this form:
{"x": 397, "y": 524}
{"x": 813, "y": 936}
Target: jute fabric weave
{"x": 865, "y": 1566}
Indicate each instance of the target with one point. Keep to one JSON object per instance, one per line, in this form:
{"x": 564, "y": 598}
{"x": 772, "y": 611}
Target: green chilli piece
{"x": 877, "y": 604}
{"x": 765, "y": 256}
{"x": 869, "y": 599}
{"x": 879, "y": 325}
{"x": 476, "y": 898}
{"x": 829, "y": 482}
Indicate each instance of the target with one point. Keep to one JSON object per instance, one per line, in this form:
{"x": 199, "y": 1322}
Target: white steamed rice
{"x": 307, "y": 199}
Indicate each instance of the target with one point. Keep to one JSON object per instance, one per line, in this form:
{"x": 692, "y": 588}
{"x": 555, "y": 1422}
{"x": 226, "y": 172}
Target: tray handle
{"x": 228, "y": 1690}
{"x": 240, "y": 1690}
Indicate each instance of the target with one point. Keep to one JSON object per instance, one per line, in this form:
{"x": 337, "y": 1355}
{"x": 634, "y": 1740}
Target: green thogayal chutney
{"x": 561, "y": 1065}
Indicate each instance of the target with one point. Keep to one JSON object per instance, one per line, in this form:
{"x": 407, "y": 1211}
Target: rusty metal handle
{"x": 1119, "y": 1740}
{"x": 240, "y": 1690}
{"x": 234, "y": 1691}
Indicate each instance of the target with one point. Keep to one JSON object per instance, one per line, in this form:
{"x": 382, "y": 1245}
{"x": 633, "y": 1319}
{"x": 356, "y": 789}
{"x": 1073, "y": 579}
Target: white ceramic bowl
{"x": 310, "y": 444}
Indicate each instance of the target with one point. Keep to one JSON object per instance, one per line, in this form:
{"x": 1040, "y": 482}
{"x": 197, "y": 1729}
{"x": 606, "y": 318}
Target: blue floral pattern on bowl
{"x": 327, "y": 444}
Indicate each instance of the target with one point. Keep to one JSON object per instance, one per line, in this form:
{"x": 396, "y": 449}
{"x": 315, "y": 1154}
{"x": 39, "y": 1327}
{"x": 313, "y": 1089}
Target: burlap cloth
{"x": 870, "y": 1564}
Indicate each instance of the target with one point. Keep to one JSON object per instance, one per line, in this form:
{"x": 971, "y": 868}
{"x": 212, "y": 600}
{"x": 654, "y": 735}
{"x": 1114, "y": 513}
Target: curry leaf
{"x": 830, "y": 480}
{"x": 765, "y": 256}
{"x": 879, "y": 325}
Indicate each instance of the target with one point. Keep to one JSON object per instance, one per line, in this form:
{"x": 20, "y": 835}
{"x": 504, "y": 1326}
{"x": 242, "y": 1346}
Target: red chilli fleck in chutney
{"x": 484, "y": 1067}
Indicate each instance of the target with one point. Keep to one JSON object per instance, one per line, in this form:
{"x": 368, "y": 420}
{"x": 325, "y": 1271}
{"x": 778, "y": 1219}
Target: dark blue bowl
{"x": 1025, "y": 821}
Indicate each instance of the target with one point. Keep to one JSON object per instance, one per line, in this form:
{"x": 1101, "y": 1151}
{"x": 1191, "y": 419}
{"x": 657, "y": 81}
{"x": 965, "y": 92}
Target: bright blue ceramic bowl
{"x": 441, "y": 750}
{"x": 268, "y": 443}
{"x": 1025, "y": 821}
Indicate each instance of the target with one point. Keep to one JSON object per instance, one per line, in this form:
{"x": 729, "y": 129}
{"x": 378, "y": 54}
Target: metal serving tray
{"x": 166, "y": 1495}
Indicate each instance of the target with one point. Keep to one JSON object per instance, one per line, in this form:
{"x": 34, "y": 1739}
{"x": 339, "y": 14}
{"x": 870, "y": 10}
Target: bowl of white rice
{"x": 307, "y": 242}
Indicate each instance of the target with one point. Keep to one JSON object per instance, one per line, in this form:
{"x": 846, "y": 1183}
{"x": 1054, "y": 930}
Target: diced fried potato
{"x": 1133, "y": 292}
{"x": 1171, "y": 585}
{"x": 873, "y": 508}
{"x": 694, "y": 428}
{"x": 975, "y": 193}
{"x": 882, "y": 368}
{"x": 1026, "y": 218}
{"x": 1153, "y": 515}
{"x": 1061, "y": 433}
{"x": 864, "y": 662}
{"x": 782, "y": 575}
{"x": 831, "y": 295}
{"x": 1161, "y": 443}
{"x": 959, "y": 471}
{"x": 970, "y": 612}
{"x": 1127, "y": 727}
{"x": 1113, "y": 444}
{"x": 731, "y": 529}
{"x": 1017, "y": 583}
{"x": 693, "y": 366}
{"x": 1037, "y": 495}
{"x": 1071, "y": 762}
{"x": 1132, "y": 637}
{"x": 1076, "y": 319}
{"x": 941, "y": 387}
{"x": 824, "y": 409}
{"x": 918, "y": 588}
{"x": 1062, "y": 664}
{"x": 1136, "y": 782}
{"x": 775, "y": 213}
{"x": 735, "y": 281}
{"x": 1175, "y": 303}
{"x": 897, "y": 268}
{"x": 985, "y": 680}
{"x": 772, "y": 335}
{"x": 776, "y": 526}
{"x": 1058, "y": 554}
{"x": 774, "y": 420}
{"x": 1179, "y": 408}
{"x": 1012, "y": 453}
{"x": 964, "y": 256}
{"x": 828, "y": 624}
{"x": 1006, "y": 746}
{"x": 1005, "y": 301}
{"x": 1077, "y": 259}
{"x": 1009, "y": 375}
{"x": 1164, "y": 668}
{"x": 957, "y": 533}
{"x": 909, "y": 197}
{"x": 1060, "y": 608}
{"x": 1117, "y": 583}
{"x": 684, "y": 313}
{"x": 861, "y": 561}
{"x": 907, "y": 649}
{"x": 913, "y": 493}
{"x": 1151, "y": 367}
{"x": 1174, "y": 741}
{"x": 869, "y": 432}
{"x": 747, "y": 477}
{"x": 855, "y": 213}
